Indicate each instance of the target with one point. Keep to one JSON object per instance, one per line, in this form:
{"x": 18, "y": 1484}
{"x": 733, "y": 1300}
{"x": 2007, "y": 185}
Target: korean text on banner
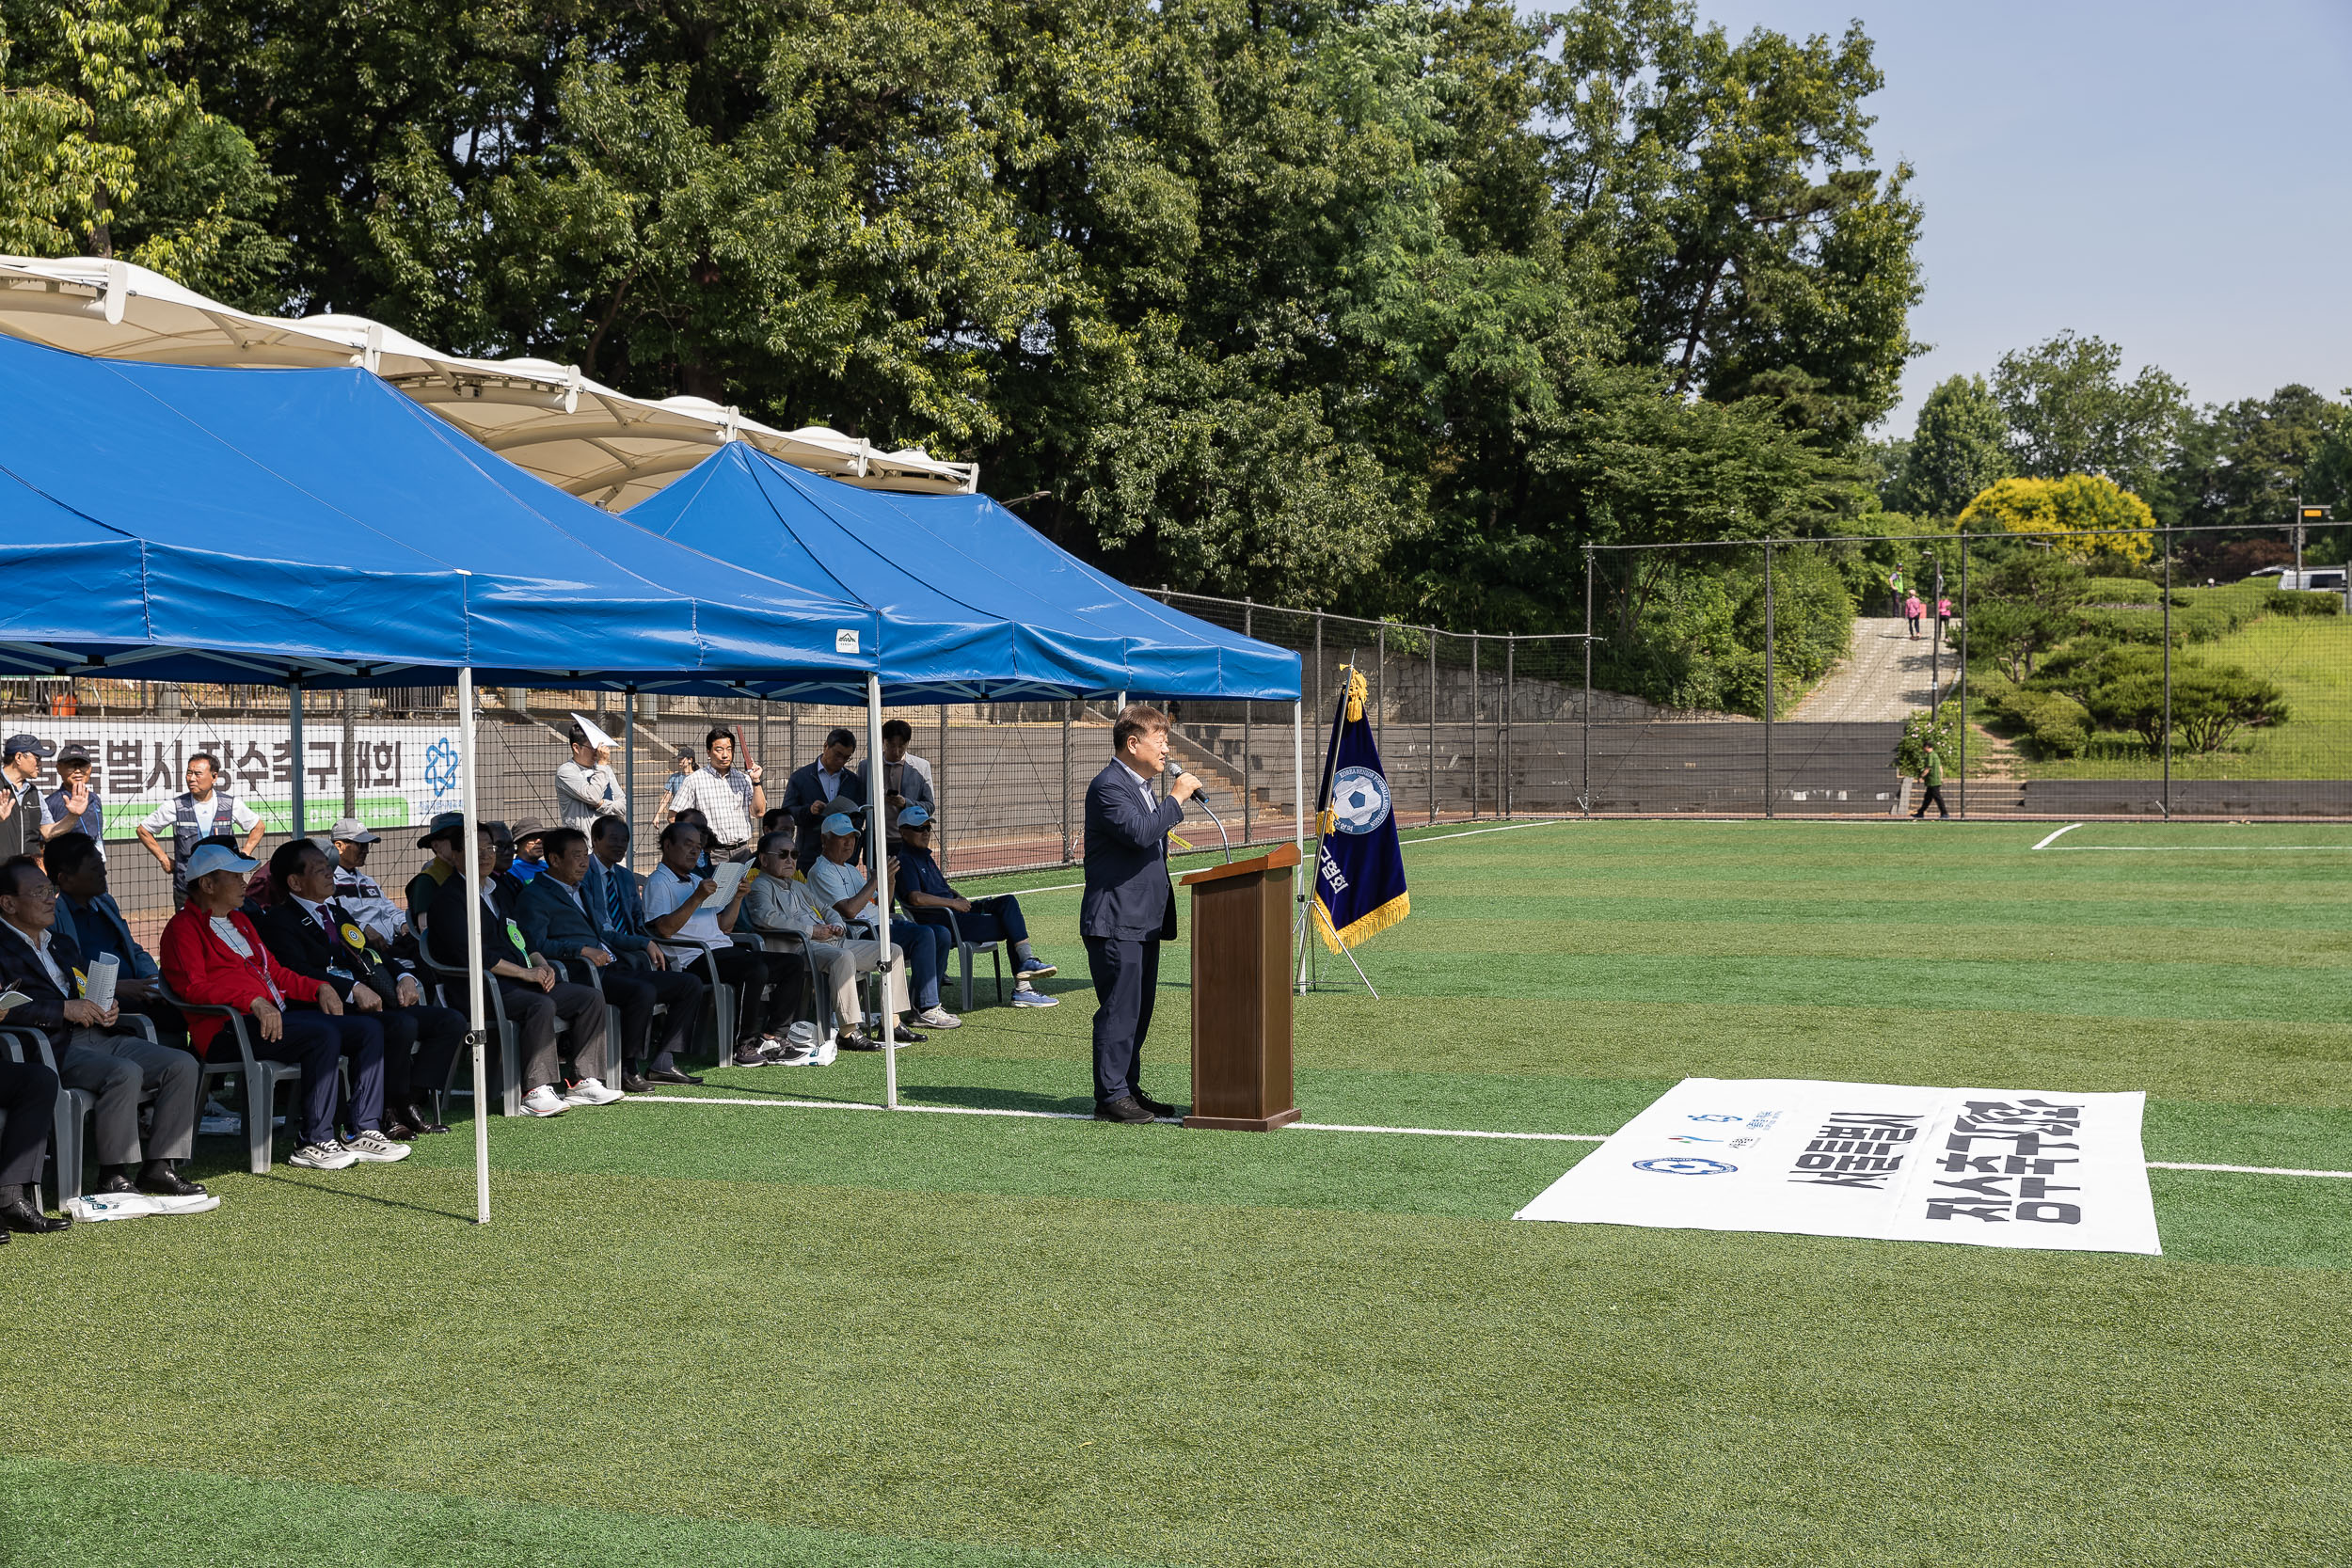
{"x": 1987, "y": 1168}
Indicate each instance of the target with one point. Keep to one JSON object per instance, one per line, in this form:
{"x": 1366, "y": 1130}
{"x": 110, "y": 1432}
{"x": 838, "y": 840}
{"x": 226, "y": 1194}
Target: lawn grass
{"x": 719, "y": 1334}
{"x": 2308, "y": 657}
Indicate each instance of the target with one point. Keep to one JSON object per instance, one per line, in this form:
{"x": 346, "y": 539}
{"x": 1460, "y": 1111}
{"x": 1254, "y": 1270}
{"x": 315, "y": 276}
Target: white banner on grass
{"x": 1989, "y": 1168}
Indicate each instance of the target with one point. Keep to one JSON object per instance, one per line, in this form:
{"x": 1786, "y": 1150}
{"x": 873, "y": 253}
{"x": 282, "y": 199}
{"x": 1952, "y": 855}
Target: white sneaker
{"x": 374, "y": 1149}
{"x": 797, "y": 1055}
{"x": 1030, "y": 996}
{"x": 326, "y": 1156}
{"x": 588, "y": 1091}
{"x": 544, "y": 1101}
{"x": 938, "y": 1017}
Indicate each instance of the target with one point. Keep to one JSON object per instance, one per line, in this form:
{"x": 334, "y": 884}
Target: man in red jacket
{"x": 213, "y": 957}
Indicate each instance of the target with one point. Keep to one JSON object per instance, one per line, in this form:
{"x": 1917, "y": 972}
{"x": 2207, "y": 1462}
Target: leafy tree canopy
{"x": 2083, "y": 508}
{"x": 2070, "y": 411}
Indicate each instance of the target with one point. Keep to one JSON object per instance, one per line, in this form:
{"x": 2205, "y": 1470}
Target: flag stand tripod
{"x": 1310, "y": 975}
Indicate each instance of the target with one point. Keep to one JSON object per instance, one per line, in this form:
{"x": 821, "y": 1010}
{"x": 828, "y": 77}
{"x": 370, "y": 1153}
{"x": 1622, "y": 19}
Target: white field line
{"x": 2193, "y": 848}
{"x": 1401, "y": 843}
{"x": 2056, "y": 836}
{"x": 1301, "y": 1126}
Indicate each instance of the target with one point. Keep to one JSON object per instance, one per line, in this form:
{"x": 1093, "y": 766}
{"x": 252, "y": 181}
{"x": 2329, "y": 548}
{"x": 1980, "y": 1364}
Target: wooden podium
{"x": 1241, "y": 994}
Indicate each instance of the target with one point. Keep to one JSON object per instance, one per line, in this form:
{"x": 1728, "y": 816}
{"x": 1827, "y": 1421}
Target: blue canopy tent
{"x": 317, "y": 527}
{"x": 975, "y": 604}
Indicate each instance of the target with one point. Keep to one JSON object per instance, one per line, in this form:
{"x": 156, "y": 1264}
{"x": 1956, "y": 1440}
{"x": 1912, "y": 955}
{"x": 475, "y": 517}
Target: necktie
{"x": 619, "y": 916}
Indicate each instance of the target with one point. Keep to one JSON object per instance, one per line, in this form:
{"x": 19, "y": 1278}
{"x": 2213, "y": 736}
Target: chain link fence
{"x": 2167, "y": 674}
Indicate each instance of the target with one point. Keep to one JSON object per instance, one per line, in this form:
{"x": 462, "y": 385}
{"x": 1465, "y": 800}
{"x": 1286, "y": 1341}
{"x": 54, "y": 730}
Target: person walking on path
{"x": 1931, "y": 780}
{"x": 1895, "y": 590}
{"x": 1912, "y": 610}
{"x": 1944, "y": 618}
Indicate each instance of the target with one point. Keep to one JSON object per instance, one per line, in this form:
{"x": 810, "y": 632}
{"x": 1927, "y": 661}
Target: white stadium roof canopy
{"x": 584, "y": 438}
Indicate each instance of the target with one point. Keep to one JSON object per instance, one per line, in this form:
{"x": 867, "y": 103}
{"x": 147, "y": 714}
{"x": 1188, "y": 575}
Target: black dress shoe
{"x": 113, "y": 1182}
{"x": 1157, "y": 1108}
{"x": 1122, "y": 1109}
{"x": 419, "y": 1119}
{"x": 21, "y": 1216}
{"x": 671, "y": 1075}
{"x": 636, "y": 1082}
{"x": 905, "y": 1035}
{"x": 396, "y": 1127}
{"x": 169, "y": 1183}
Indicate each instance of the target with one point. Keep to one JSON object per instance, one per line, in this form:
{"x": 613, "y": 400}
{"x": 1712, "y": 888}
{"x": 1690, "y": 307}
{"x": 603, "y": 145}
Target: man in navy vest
{"x": 1129, "y": 909}
{"x": 191, "y": 818}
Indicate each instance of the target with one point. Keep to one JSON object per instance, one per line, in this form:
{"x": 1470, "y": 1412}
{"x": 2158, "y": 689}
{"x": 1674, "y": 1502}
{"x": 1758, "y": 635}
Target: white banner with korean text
{"x": 397, "y": 774}
{"x": 1988, "y": 1168}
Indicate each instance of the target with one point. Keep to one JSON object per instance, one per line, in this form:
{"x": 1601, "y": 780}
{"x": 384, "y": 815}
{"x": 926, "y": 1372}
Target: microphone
{"x": 1175, "y": 771}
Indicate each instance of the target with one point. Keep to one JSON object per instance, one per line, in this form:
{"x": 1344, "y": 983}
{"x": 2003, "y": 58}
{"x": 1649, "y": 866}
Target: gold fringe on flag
{"x": 1371, "y": 923}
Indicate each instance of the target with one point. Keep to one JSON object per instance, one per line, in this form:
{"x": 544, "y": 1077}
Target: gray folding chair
{"x": 965, "y": 951}
{"x": 74, "y": 1108}
{"x": 258, "y": 1076}
{"x": 450, "y": 982}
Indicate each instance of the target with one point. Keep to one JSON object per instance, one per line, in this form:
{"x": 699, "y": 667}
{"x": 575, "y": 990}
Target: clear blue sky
{"x": 2174, "y": 177}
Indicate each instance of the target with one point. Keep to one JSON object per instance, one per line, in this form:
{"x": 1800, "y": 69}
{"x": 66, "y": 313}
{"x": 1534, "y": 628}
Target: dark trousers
{"x": 421, "y": 1044}
{"x": 636, "y": 992}
{"x": 318, "y": 1042}
{"x": 1934, "y": 796}
{"x": 784, "y": 975}
{"x": 1127, "y": 977}
{"x": 996, "y": 919}
{"x": 28, "y": 1099}
{"x": 533, "y": 1012}
{"x": 927, "y": 949}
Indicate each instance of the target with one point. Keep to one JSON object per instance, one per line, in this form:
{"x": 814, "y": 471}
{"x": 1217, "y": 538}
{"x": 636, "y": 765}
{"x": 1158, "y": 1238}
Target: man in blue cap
{"x": 926, "y": 891}
{"x": 21, "y": 756}
{"x": 854, "y": 895}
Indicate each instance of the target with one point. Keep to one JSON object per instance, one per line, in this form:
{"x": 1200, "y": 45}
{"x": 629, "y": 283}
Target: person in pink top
{"x": 1914, "y": 608}
{"x": 1944, "y": 618}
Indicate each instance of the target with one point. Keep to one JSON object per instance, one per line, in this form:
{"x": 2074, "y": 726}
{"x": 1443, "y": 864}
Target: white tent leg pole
{"x": 293, "y": 737}
{"x": 881, "y": 862}
{"x": 628, "y": 772}
{"x": 474, "y": 1001}
{"x": 1303, "y": 882}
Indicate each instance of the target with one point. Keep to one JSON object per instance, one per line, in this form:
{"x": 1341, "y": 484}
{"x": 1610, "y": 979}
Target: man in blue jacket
{"x": 1129, "y": 909}
{"x": 563, "y": 923}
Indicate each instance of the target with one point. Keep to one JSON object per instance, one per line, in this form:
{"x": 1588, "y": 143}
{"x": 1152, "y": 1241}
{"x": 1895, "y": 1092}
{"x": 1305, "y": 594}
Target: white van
{"x": 2316, "y": 579}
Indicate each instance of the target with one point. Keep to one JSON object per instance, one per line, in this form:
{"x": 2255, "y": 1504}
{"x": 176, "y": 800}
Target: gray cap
{"x": 351, "y": 830}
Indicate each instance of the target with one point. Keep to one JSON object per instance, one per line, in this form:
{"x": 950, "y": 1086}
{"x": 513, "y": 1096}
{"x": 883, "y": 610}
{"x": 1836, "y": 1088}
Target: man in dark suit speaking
{"x": 1129, "y": 907}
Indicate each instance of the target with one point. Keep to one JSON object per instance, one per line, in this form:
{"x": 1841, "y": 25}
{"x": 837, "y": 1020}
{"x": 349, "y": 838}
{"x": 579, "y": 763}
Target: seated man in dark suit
{"x": 817, "y": 789}
{"x": 312, "y": 934}
{"x": 561, "y": 925}
{"x": 89, "y": 917}
{"x": 28, "y": 1107}
{"x": 534, "y": 995}
{"x": 93, "y": 1051}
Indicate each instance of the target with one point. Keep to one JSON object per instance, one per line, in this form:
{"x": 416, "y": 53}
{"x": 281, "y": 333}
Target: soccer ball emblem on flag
{"x": 1359, "y": 800}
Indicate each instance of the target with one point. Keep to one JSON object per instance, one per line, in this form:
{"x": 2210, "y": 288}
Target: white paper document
{"x": 1987, "y": 1168}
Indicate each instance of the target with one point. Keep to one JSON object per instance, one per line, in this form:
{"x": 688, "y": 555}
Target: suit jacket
{"x": 802, "y": 791}
{"x": 630, "y": 939}
{"x": 446, "y": 929}
{"x": 309, "y": 949}
{"x": 1127, "y": 895}
{"x": 20, "y": 969}
{"x": 143, "y": 964}
{"x": 554, "y": 925}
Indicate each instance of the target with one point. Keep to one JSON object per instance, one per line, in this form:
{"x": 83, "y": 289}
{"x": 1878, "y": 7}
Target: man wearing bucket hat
{"x": 213, "y": 957}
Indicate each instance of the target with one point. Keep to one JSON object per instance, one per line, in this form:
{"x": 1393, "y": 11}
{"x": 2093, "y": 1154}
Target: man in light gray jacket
{"x": 586, "y": 786}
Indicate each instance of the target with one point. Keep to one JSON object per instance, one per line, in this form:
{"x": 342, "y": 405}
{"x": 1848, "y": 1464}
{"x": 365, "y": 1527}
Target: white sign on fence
{"x": 1988, "y": 1168}
{"x": 399, "y": 773}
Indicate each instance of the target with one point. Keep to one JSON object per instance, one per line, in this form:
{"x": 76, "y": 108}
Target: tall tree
{"x": 1960, "y": 446}
{"x": 2244, "y": 465}
{"x": 2070, "y": 411}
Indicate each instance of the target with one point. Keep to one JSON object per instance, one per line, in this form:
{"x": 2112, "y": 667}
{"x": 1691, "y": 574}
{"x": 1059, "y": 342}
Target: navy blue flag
{"x": 1359, "y": 870}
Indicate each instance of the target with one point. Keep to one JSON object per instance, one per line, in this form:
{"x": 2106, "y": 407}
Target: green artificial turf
{"x": 711, "y": 1333}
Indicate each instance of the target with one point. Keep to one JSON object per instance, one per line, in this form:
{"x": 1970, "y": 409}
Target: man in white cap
{"x": 853, "y": 897}
{"x": 360, "y": 895}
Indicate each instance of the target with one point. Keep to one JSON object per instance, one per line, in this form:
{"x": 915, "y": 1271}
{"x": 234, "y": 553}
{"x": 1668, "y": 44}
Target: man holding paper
{"x": 586, "y": 786}
{"x": 75, "y": 1008}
